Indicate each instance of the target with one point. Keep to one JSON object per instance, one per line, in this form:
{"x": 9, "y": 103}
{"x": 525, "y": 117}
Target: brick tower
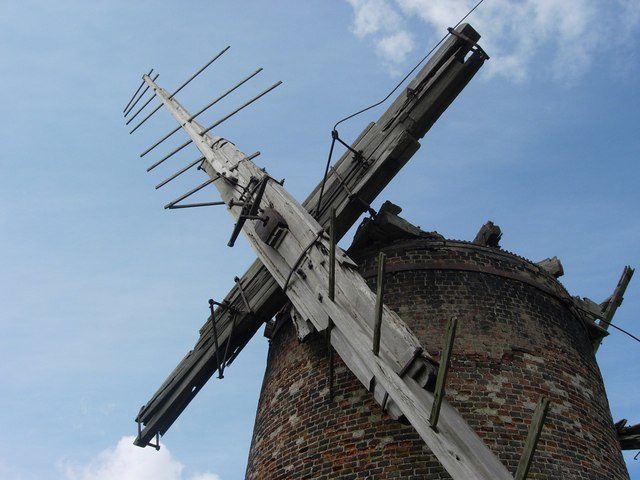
{"x": 520, "y": 336}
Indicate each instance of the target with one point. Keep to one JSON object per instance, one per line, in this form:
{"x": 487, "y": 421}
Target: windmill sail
{"x": 351, "y": 312}
{"x": 388, "y": 144}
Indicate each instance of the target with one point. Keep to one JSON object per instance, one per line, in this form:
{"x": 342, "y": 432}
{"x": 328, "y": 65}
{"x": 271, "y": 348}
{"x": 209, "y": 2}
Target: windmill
{"x": 300, "y": 266}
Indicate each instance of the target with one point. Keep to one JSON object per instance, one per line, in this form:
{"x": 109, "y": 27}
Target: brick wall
{"x": 517, "y": 340}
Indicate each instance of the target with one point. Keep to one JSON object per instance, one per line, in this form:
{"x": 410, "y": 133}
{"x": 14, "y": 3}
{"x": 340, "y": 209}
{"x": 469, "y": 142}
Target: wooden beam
{"x": 443, "y": 369}
{"x": 382, "y": 258}
{"x": 535, "y": 429}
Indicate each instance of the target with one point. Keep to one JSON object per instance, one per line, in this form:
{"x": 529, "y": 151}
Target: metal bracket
{"x": 474, "y": 45}
{"x": 154, "y": 445}
{"x": 244, "y": 297}
{"x": 250, "y": 210}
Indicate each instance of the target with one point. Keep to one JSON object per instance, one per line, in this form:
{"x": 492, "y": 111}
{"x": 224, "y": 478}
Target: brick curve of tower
{"x": 518, "y": 339}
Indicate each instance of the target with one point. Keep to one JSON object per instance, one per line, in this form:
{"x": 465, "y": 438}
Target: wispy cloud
{"x": 127, "y": 462}
{"x": 562, "y": 38}
{"x": 381, "y": 21}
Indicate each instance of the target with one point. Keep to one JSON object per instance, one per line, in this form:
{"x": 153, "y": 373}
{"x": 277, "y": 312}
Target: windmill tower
{"x": 371, "y": 367}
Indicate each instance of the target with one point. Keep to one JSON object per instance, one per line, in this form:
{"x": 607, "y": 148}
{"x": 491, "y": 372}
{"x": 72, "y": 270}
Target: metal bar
{"x": 379, "y": 303}
{"x": 169, "y": 155}
{"x": 192, "y": 205}
{"x": 144, "y": 119}
{"x": 244, "y": 297}
{"x": 246, "y": 104}
{"x": 179, "y": 172}
{"x": 226, "y": 349}
{"x": 443, "y": 369}
{"x": 204, "y": 132}
{"x": 191, "y": 192}
{"x": 332, "y": 255}
{"x": 178, "y": 89}
{"x": 199, "y": 71}
{"x": 330, "y": 359}
{"x": 215, "y": 335}
{"x": 535, "y": 429}
{"x": 157, "y": 444}
{"x": 131, "y": 107}
{"x": 153, "y": 95}
{"x": 138, "y": 90}
{"x": 248, "y": 157}
{"x": 202, "y": 110}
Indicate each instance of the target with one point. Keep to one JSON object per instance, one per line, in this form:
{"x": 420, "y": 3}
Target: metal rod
{"x": 191, "y": 192}
{"x": 157, "y": 444}
{"x": 153, "y": 95}
{"x": 443, "y": 369}
{"x": 226, "y": 117}
{"x": 169, "y": 155}
{"x": 379, "y": 303}
{"x": 248, "y": 157}
{"x": 535, "y": 429}
{"x": 158, "y": 107}
{"x": 192, "y": 205}
{"x": 226, "y": 348}
{"x": 180, "y": 88}
{"x": 179, "y": 172}
{"x": 244, "y": 297}
{"x": 138, "y": 90}
{"x": 246, "y": 104}
{"x": 330, "y": 359}
{"x": 128, "y": 109}
{"x": 199, "y": 71}
{"x": 202, "y": 110}
{"x": 215, "y": 336}
{"x": 332, "y": 255}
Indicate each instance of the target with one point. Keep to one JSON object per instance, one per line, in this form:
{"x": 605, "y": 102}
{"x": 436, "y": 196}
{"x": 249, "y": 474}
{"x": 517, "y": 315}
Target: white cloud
{"x": 128, "y": 462}
{"x": 374, "y": 16}
{"x": 562, "y": 38}
{"x": 396, "y": 46}
{"x": 380, "y": 20}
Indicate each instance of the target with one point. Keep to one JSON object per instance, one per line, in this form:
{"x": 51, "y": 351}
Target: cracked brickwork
{"x": 517, "y": 340}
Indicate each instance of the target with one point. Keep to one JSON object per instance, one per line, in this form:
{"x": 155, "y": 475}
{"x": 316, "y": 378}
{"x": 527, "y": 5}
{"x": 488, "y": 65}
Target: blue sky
{"x": 103, "y": 292}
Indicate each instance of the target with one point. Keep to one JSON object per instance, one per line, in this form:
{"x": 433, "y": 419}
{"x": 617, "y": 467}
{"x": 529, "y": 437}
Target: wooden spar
{"x": 455, "y": 444}
{"x": 387, "y": 145}
{"x": 445, "y": 356}
{"x": 535, "y": 429}
{"x": 614, "y": 301}
{"x": 382, "y": 258}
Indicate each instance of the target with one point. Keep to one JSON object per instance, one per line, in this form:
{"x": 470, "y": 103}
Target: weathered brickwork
{"x": 517, "y": 340}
